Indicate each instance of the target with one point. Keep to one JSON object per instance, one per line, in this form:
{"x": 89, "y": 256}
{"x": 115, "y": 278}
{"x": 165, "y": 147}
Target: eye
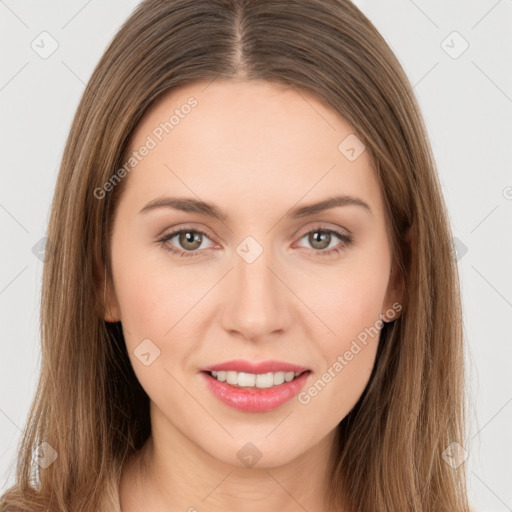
{"x": 189, "y": 239}
{"x": 321, "y": 238}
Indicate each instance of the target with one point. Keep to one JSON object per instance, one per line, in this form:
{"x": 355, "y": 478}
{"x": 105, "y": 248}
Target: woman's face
{"x": 255, "y": 276}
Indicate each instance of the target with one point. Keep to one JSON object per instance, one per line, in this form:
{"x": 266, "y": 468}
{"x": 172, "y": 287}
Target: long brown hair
{"x": 89, "y": 406}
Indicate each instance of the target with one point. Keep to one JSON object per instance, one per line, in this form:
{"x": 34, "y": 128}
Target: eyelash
{"x": 345, "y": 239}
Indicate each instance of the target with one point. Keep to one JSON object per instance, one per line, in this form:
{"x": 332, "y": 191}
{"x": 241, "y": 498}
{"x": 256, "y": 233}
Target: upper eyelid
{"x": 173, "y": 232}
{"x": 322, "y": 226}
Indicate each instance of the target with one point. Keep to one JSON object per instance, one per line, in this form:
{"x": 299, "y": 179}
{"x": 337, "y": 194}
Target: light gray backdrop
{"x": 458, "y": 58}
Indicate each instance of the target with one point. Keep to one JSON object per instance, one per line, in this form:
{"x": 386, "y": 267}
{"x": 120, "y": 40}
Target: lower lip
{"x": 255, "y": 399}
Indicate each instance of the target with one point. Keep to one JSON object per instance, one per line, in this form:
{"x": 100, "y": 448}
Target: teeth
{"x": 247, "y": 380}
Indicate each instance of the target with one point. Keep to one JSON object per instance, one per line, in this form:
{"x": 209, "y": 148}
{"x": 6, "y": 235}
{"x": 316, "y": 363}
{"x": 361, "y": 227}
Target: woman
{"x": 252, "y": 302}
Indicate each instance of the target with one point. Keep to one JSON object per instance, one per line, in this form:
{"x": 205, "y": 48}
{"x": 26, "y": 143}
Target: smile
{"x": 255, "y": 392}
{"x": 262, "y": 380}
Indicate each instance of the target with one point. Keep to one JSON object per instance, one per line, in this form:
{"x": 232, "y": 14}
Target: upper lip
{"x": 241, "y": 365}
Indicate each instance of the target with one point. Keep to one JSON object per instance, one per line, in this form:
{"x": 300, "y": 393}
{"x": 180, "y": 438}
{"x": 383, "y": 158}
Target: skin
{"x": 255, "y": 150}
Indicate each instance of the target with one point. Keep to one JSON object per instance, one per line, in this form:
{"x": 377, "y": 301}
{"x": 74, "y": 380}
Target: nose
{"x": 258, "y": 301}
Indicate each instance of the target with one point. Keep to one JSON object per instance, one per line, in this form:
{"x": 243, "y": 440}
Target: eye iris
{"x": 186, "y": 237}
{"x": 320, "y": 236}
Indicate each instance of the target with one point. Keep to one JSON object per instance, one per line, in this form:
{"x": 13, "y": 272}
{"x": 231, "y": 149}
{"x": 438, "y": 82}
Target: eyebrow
{"x": 186, "y": 204}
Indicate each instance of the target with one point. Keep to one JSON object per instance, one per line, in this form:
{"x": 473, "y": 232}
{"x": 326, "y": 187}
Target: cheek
{"x": 143, "y": 305}
{"x": 347, "y": 357}
{"x": 154, "y": 319}
{"x": 347, "y": 301}
{"x": 349, "y": 305}
{"x": 145, "y": 300}
{"x": 151, "y": 295}
{"x": 161, "y": 304}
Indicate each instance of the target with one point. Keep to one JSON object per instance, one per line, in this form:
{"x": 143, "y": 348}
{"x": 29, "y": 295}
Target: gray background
{"x": 466, "y": 101}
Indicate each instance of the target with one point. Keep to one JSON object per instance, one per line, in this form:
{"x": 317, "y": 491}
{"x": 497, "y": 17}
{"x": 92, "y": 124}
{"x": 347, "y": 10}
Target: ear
{"x": 395, "y": 292}
{"x": 108, "y": 297}
{"x": 394, "y": 295}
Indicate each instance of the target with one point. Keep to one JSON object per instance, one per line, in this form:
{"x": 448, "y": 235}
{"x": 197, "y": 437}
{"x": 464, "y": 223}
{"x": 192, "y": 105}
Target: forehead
{"x": 255, "y": 140}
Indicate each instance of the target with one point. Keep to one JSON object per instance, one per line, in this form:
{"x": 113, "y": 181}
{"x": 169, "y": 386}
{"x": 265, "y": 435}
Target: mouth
{"x": 255, "y": 392}
{"x": 255, "y": 380}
